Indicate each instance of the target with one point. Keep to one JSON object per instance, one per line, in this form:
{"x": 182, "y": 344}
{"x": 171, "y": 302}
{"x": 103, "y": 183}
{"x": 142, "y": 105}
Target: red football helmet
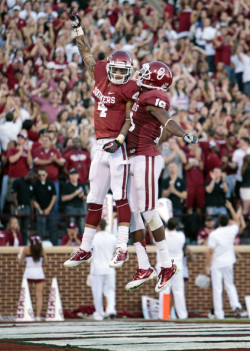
{"x": 119, "y": 60}
{"x": 154, "y": 75}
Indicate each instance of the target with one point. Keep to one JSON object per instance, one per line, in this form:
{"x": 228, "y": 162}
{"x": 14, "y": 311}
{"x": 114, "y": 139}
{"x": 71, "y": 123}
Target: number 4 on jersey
{"x": 102, "y": 108}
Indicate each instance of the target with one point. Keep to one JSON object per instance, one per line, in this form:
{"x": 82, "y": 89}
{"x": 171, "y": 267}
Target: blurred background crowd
{"x": 47, "y": 136}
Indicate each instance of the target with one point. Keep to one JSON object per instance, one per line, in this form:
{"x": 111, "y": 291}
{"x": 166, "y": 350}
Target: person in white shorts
{"x": 102, "y": 276}
{"x": 220, "y": 260}
{"x": 34, "y": 257}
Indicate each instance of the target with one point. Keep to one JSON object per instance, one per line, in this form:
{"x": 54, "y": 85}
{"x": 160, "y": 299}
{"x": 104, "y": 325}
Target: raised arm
{"x": 82, "y": 42}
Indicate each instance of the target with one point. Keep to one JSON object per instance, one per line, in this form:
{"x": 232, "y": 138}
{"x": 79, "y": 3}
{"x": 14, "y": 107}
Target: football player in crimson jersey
{"x": 113, "y": 94}
{"x": 149, "y": 117}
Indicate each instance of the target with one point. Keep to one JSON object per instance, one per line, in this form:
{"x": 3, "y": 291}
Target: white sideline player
{"x": 220, "y": 260}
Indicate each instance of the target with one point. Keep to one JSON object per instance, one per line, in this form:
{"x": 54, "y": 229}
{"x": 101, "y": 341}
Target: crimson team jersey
{"x": 146, "y": 130}
{"x": 110, "y": 101}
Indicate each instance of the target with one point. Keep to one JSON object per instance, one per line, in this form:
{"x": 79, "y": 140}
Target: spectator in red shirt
{"x": 13, "y": 236}
{"x": 204, "y": 232}
{"x": 38, "y": 143}
{"x": 79, "y": 159}
{"x": 72, "y": 238}
{"x": 4, "y": 183}
{"x": 20, "y": 161}
{"x": 213, "y": 159}
{"x": 195, "y": 179}
{"x": 49, "y": 158}
{"x": 59, "y": 22}
{"x": 20, "y": 22}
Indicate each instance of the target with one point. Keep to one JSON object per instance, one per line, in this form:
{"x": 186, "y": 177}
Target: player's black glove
{"x": 74, "y": 18}
{"x": 190, "y": 138}
{"x": 112, "y": 146}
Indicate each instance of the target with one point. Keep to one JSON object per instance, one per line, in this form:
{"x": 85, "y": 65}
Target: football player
{"x": 149, "y": 117}
{"x": 113, "y": 93}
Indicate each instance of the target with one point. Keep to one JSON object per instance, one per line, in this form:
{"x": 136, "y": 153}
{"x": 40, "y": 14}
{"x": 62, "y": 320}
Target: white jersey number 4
{"x": 103, "y": 109}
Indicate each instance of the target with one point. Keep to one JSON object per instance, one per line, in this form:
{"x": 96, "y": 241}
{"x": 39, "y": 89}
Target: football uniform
{"x": 146, "y": 160}
{"x": 110, "y": 100}
{"x": 109, "y": 170}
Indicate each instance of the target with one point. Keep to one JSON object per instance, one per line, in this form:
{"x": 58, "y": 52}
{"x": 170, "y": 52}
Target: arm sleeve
{"x": 100, "y": 70}
{"x": 130, "y": 91}
{"x": 64, "y": 239}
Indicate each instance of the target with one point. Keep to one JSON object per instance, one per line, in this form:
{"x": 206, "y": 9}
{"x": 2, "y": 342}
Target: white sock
{"x": 122, "y": 241}
{"x": 87, "y": 239}
{"x": 142, "y": 256}
{"x": 165, "y": 261}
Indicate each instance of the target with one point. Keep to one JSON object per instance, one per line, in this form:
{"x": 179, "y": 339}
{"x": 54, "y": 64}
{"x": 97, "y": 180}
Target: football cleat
{"x": 141, "y": 276}
{"x": 119, "y": 258}
{"x": 164, "y": 277}
{"x": 77, "y": 257}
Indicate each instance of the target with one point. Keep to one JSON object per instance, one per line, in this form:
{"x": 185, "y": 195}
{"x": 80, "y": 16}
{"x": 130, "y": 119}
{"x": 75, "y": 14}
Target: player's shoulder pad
{"x": 156, "y": 98}
{"x": 130, "y": 90}
{"x": 100, "y": 69}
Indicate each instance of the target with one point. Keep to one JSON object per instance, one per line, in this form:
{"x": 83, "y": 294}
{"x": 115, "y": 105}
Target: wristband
{"x": 121, "y": 138}
{"x": 78, "y": 31}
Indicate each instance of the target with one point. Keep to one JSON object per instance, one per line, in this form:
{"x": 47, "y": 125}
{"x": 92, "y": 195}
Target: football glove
{"x": 112, "y": 146}
{"x": 190, "y": 138}
{"x": 74, "y": 18}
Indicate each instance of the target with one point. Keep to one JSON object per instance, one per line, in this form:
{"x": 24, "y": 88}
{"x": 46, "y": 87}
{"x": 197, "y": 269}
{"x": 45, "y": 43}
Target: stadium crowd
{"x": 46, "y": 107}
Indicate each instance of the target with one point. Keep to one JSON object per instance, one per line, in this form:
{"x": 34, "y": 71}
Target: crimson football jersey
{"x": 146, "y": 130}
{"x": 110, "y": 101}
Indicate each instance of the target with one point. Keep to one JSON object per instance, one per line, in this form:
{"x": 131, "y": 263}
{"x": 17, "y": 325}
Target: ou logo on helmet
{"x": 161, "y": 73}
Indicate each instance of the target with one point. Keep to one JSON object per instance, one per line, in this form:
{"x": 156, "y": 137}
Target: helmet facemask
{"x": 123, "y": 76}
